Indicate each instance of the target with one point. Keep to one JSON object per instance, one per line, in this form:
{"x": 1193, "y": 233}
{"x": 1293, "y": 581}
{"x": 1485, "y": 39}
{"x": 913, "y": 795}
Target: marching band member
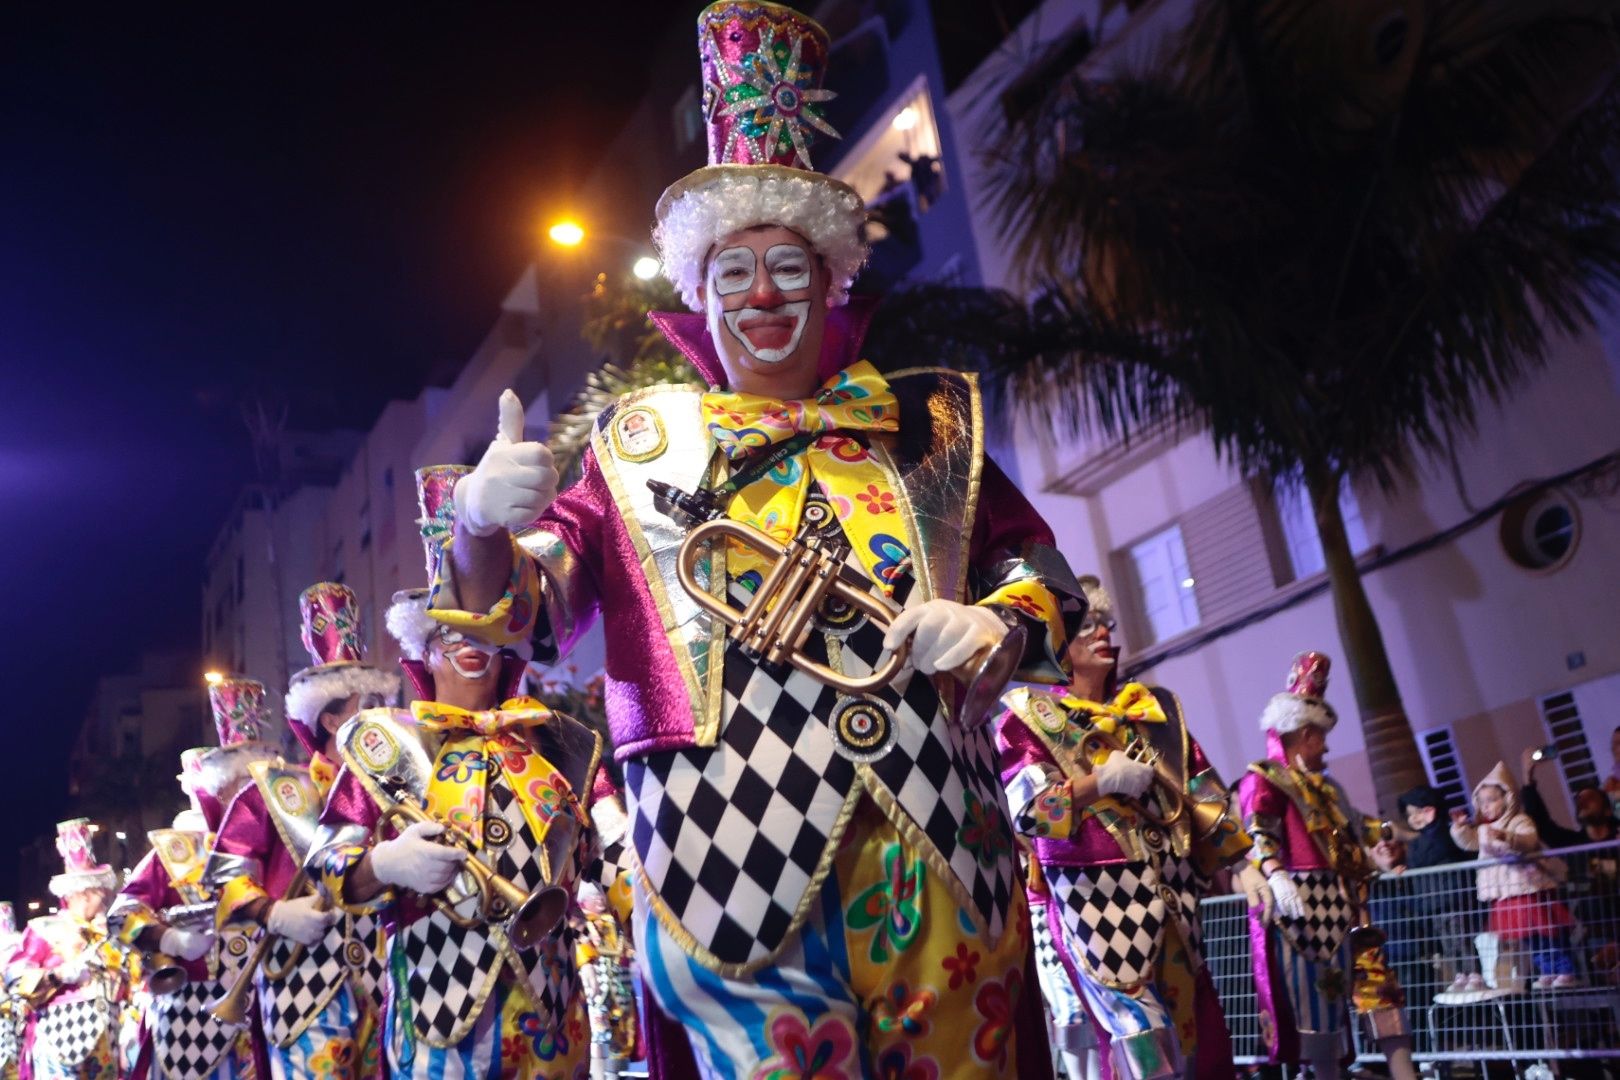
{"x": 507, "y": 779}
{"x": 1309, "y": 962}
{"x": 319, "y": 985}
{"x": 823, "y": 875}
{"x": 11, "y": 1008}
{"x": 166, "y": 911}
{"x": 75, "y": 980}
{"x": 1126, "y": 823}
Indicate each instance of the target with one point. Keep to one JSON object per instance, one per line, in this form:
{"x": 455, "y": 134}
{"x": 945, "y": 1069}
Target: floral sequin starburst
{"x": 773, "y": 102}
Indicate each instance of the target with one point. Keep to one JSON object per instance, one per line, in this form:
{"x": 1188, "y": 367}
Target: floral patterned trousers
{"x": 342, "y": 1043}
{"x": 510, "y": 1041}
{"x": 888, "y": 978}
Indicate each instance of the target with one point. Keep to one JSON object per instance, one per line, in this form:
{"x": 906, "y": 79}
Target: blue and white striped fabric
{"x": 1316, "y": 991}
{"x": 340, "y": 1020}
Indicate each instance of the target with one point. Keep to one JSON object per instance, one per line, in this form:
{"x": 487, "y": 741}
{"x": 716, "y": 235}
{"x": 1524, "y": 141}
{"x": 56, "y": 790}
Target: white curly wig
{"x": 312, "y": 689}
{"x": 1286, "y": 713}
{"x": 1098, "y": 599}
{"x": 715, "y": 202}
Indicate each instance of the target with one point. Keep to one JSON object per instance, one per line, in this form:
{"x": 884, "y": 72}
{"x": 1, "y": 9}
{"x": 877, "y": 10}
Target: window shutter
{"x": 1563, "y": 719}
{"x": 1444, "y": 766}
{"x": 1230, "y": 560}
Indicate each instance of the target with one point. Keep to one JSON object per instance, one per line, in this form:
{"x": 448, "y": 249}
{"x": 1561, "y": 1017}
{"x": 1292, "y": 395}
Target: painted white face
{"x": 769, "y": 334}
{"x": 465, "y": 656}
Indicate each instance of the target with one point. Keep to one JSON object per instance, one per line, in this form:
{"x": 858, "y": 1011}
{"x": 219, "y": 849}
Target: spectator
{"x": 1611, "y": 783}
{"x": 1430, "y": 914}
{"x": 1521, "y": 888}
{"x": 1594, "y": 875}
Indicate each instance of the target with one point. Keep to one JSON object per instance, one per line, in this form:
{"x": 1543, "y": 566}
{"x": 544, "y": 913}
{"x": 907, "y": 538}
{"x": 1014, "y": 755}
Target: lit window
{"x": 899, "y": 156}
{"x": 1298, "y": 522}
{"x": 1165, "y": 584}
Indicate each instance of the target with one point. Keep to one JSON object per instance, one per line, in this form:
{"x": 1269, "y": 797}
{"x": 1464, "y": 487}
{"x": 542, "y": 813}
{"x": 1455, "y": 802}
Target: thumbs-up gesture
{"x": 513, "y": 483}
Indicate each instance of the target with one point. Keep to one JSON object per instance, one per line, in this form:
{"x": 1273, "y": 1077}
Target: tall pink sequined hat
{"x": 240, "y": 718}
{"x": 408, "y": 620}
{"x": 335, "y": 640}
{"x": 1303, "y": 699}
{"x": 762, "y": 66}
{"x": 80, "y": 871}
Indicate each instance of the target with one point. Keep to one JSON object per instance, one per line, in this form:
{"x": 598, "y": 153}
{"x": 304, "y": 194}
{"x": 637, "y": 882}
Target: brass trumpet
{"x": 805, "y": 574}
{"x": 1203, "y": 818}
{"x": 232, "y": 1006}
{"x": 168, "y": 976}
{"x": 528, "y": 917}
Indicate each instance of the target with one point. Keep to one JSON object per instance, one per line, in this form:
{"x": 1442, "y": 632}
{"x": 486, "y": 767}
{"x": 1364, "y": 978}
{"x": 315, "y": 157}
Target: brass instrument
{"x": 1203, "y": 818}
{"x": 528, "y": 917}
{"x": 167, "y": 975}
{"x": 232, "y": 1006}
{"x": 804, "y": 575}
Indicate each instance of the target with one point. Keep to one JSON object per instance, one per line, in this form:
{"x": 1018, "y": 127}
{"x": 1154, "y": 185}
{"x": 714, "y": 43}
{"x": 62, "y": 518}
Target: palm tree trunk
{"x": 1392, "y": 752}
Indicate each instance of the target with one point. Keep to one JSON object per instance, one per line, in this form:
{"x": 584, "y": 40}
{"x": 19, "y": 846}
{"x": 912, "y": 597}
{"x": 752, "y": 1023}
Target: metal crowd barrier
{"x": 1517, "y": 1015}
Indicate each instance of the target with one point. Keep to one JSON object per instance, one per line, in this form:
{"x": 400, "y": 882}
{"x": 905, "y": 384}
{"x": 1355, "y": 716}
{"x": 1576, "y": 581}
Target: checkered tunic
{"x": 10, "y": 1039}
{"x": 67, "y": 1032}
{"x": 1118, "y": 913}
{"x": 1329, "y": 915}
{"x": 351, "y": 950}
{"x": 187, "y": 1040}
{"x": 735, "y": 838}
{"x": 450, "y": 969}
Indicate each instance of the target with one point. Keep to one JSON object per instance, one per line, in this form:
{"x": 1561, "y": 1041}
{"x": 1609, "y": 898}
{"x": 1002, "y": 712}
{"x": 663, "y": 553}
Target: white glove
{"x": 1254, "y": 886}
{"x": 70, "y": 972}
{"x": 186, "y": 944}
{"x": 1121, "y": 774}
{"x": 412, "y": 859}
{"x": 301, "y": 919}
{"x": 1289, "y": 905}
{"x": 514, "y": 481}
{"x": 944, "y": 634}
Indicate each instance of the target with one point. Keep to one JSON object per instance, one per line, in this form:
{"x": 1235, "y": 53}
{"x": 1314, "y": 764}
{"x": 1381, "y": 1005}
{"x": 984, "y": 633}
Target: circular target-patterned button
{"x": 863, "y": 729}
{"x": 355, "y": 954}
{"x": 836, "y": 617}
{"x": 236, "y": 945}
{"x": 497, "y": 832}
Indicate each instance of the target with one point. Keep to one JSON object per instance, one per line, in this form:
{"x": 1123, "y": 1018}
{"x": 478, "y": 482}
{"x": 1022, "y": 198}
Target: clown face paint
{"x": 765, "y": 304}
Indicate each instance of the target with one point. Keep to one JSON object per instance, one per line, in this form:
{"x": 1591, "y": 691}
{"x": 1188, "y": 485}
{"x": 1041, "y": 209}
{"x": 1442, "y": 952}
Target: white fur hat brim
{"x": 224, "y": 768}
{"x": 714, "y": 202}
{"x": 313, "y": 689}
{"x": 65, "y": 885}
{"x": 1286, "y": 713}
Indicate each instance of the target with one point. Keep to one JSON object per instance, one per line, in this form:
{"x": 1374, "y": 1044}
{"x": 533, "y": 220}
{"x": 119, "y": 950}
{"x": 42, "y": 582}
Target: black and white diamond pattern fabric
{"x": 10, "y": 1041}
{"x": 730, "y": 835}
{"x": 1328, "y": 915}
{"x": 1117, "y": 914}
{"x": 68, "y": 1031}
{"x": 371, "y": 973}
{"x": 187, "y": 1041}
{"x": 1184, "y": 880}
{"x": 448, "y": 966}
{"x": 515, "y": 857}
{"x": 553, "y": 980}
{"x": 291, "y": 1003}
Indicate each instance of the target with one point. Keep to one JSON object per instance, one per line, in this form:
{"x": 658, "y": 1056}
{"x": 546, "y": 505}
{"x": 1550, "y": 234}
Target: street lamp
{"x": 646, "y": 268}
{"x": 33, "y": 905}
{"x": 213, "y": 678}
{"x": 122, "y": 836}
{"x": 567, "y": 233}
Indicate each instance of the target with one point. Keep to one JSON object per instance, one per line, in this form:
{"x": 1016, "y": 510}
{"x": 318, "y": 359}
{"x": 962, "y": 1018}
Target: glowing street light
{"x": 646, "y": 268}
{"x": 567, "y": 233}
{"x": 906, "y": 118}
{"x": 33, "y": 905}
{"x": 213, "y": 678}
{"x": 121, "y": 835}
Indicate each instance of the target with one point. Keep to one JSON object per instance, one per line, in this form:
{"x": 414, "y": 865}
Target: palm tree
{"x": 1323, "y": 232}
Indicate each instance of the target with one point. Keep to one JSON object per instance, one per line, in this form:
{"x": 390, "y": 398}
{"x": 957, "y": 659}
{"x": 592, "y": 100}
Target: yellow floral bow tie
{"x": 855, "y": 399}
{"x": 512, "y": 715}
{"x": 1133, "y": 702}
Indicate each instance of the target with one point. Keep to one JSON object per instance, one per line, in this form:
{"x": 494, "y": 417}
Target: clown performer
{"x": 11, "y": 1009}
{"x": 166, "y": 911}
{"x": 499, "y": 776}
{"x": 319, "y": 986}
{"x": 1126, "y": 822}
{"x": 1313, "y": 848}
{"x": 823, "y": 873}
{"x": 604, "y": 959}
{"x": 74, "y": 978}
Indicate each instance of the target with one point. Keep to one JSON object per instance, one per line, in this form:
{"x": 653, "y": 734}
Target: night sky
{"x": 316, "y": 206}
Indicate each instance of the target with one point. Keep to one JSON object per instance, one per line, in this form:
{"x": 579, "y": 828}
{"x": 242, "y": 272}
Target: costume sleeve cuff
{"x": 1263, "y": 831}
{"x": 128, "y": 920}
{"x": 337, "y": 862}
{"x": 510, "y": 621}
{"x": 1039, "y": 608}
{"x": 1043, "y": 804}
{"x": 234, "y": 895}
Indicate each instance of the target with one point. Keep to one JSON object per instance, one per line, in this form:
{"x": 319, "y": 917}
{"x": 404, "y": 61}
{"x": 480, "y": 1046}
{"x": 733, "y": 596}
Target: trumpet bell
{"x": 167, "y": 979}
{"x": 538, "y": 916}
{"x": 986, "y": 677}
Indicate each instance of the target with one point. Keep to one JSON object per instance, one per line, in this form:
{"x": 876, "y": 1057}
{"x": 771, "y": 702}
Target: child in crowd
{"x": 1522, "y": 889}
